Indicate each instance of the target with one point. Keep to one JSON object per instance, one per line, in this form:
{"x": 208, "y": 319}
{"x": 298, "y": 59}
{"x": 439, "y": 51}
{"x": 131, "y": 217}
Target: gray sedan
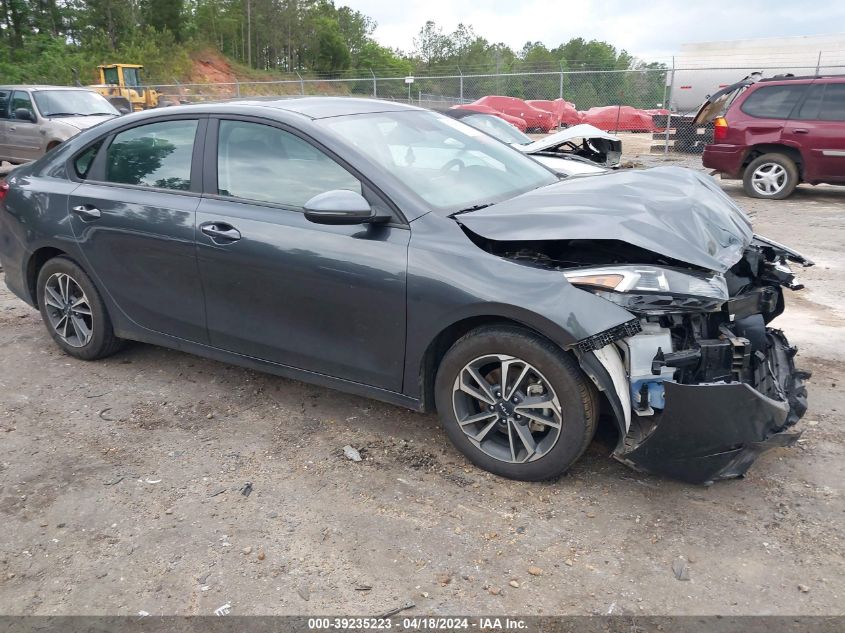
{"x": 395, "y": 253}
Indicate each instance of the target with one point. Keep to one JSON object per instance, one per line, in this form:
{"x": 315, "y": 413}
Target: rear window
{"x": 773, "y": 102}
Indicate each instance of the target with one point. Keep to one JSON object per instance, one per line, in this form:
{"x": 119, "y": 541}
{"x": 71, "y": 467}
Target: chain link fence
{"x": 651, "y": 108}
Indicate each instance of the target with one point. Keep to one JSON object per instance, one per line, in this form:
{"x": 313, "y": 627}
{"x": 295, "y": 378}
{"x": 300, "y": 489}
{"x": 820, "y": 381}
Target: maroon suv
{"x": 776, "y": 133}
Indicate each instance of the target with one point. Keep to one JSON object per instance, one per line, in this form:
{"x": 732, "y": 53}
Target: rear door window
{"x": 773, "y": 102}
{"x": 809, "y": 110}
{"x": 153, "y": 155}
{"x": 833, "y": 104}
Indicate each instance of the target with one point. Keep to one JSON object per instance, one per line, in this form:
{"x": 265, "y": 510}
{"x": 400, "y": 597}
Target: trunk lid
{"x": 714, "y": 104}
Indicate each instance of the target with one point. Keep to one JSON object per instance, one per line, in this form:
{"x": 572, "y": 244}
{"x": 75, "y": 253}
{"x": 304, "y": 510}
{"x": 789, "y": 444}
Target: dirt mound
{"x": 210, "y": 67}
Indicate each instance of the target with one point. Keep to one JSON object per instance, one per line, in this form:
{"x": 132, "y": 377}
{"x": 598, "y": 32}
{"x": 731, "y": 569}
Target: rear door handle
{"x": 801, "y": 130}
{"x": 87, "y": 212}
{"x": 221, "y": 232}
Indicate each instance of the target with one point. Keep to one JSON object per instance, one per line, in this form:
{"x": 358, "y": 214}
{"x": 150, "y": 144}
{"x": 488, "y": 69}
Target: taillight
{"x": 720, "y": 129}
{"x": 4, "y": 189}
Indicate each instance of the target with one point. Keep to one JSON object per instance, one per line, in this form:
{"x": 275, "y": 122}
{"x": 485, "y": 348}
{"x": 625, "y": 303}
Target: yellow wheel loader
{"x": 121, "y": 84}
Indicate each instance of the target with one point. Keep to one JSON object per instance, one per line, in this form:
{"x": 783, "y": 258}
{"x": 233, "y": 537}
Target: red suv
{"x": 776, "y": 133}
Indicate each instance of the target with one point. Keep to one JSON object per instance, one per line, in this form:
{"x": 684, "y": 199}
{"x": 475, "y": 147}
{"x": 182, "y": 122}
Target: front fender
{"x": 450, "y": 279}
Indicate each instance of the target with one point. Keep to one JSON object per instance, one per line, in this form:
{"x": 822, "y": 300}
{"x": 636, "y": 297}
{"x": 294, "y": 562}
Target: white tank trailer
{"x": 702, "y": 68}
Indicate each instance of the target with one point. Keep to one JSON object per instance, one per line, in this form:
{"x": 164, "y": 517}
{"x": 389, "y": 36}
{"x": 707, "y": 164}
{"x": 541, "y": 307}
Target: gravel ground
{"x": 121, "y": 480}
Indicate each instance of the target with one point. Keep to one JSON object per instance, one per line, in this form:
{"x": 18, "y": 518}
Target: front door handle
{"x": 221, "y": 232}
{"x": 87, "y": 212}
{"x": 801, "y": 130}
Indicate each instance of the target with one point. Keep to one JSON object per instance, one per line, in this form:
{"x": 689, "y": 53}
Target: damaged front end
{"x": 711, "y": 386}
{"x": 698, "y": 381}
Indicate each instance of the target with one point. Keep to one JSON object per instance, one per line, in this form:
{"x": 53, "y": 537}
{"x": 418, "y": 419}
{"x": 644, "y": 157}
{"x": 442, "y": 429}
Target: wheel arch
{"x": 34, "y": 265}
{"x": 443, "y": 340}
{"x": 758, "y": 150}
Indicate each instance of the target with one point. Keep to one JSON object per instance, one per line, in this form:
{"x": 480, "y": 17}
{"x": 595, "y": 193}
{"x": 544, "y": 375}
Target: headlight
{"x": 653, "y": 289}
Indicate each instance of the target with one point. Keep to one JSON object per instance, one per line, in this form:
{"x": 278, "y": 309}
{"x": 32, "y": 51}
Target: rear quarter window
{"x": 82, "y": 163}
{"x": 773, "y": 102}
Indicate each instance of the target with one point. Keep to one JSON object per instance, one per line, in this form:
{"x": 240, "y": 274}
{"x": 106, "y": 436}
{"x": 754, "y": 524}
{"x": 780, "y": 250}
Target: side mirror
{"x": 24, "y": 114}
{"x": 123, "y": 110}
{"x": 339, "y": 206}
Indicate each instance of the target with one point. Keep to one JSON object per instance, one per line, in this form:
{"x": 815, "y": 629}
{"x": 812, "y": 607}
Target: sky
{"x": 652, "y": 30}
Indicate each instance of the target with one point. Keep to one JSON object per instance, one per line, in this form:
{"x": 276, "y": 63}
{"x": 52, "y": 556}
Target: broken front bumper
{"x": 716, "y": 431}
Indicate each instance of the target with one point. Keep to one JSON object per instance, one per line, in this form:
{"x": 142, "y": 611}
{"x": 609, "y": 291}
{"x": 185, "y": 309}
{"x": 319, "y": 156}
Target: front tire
{"x": 74, "y": 312}
{"x": 770, "y": 176}
{"x": 515, "y": 404}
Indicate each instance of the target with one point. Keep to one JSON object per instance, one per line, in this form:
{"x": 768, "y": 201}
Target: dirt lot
{"x": 119, "y": 490}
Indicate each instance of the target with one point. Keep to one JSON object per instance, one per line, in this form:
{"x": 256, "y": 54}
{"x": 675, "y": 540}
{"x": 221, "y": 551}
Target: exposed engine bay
{"x": 699, "y": 383}
{"x": 582, "y": 140}
{"x": 597, "y": 150}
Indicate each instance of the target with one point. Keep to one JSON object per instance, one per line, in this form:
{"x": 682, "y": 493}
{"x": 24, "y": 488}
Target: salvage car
{"x": 35, "y": 119}
{"x": 396, "y": 253}
{"x": 536, "y": 119}
{"x": 582, "y": 141}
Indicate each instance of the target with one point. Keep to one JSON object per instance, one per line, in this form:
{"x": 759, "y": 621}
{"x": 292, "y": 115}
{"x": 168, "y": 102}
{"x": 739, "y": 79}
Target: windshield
{"x": 449, "y": 165}
{"x": 497, "y": 128}
{"x": 72, "y": 103}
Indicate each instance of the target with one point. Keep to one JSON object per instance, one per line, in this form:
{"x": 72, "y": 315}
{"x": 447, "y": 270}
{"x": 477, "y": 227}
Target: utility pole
{"x": 498, "y": 59}
{"x": 561, "y": 79}
{"x": 249, "y": 32}
{"x": 667, "y": 103}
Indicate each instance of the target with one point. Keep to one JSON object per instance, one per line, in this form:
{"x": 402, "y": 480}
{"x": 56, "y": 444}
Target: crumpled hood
{"x": 82, "y": 122}
{"x": 672, "y": 211}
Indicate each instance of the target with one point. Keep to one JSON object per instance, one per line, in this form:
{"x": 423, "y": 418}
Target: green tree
{"x": 164, "y": 15}
{"x": 432, "y": 46}
{"x": 330, "y": 52}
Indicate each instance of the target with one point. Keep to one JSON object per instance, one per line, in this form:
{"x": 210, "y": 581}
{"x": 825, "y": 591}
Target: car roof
{"x": 802, "y": 79}
{"x": 460, "y": 113}
{"x": 36, "y": 87}
{"x": 319, "y": 107}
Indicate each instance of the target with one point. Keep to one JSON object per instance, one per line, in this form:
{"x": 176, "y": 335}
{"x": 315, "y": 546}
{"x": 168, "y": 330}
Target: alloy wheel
{"x": 769, "y": 179}
{"x": 68, "y": 310}
{"x": 507, "y": 408}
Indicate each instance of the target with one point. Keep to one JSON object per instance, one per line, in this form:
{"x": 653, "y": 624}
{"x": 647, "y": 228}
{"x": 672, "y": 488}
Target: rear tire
{"x": 770, "y": 176}
{"x": 74, "y": 312}
{"x": 512, "y": 421}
